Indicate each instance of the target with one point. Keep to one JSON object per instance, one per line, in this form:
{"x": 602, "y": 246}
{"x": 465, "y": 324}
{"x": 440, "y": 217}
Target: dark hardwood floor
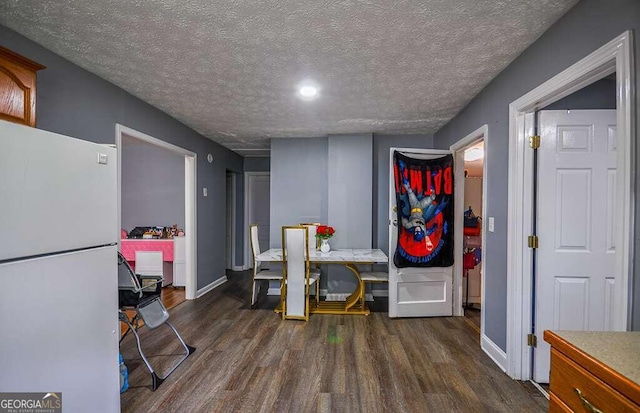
{"x": 472, "y": 313}
{"x": 249, "y": 360}
{"x": 171, "y": 296}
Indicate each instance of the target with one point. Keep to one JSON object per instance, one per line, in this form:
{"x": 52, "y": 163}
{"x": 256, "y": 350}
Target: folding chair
{"x": 148, "y": 308}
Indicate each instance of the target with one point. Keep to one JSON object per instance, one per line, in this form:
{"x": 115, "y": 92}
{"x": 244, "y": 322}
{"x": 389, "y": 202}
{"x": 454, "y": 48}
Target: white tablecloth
{"x": 346, "y": 255}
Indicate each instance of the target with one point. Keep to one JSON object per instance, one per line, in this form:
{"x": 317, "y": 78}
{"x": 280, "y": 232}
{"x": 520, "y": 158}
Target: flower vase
{"x": 324, "y": 245}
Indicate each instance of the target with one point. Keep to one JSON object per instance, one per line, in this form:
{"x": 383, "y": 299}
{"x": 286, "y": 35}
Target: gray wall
{"x": 74, "y": 102}
{"x": 598, "y": 95}
{"x": 350, "y": 185}
{"x": 350, "y": 182}
{"x": 298, "y": 183}
{"x": 257, "y": 164}
{"x": 589, "y": 25}
{"x": 152, "y": 185}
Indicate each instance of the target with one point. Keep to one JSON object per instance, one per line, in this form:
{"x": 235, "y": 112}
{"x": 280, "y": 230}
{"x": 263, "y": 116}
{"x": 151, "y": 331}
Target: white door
{"x": 258, "y": 211}
{"x": 575, "y": 225}
{"x": 417, "y": 291}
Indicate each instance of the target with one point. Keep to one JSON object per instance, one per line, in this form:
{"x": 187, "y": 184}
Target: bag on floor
{"x": 124, "y": 375}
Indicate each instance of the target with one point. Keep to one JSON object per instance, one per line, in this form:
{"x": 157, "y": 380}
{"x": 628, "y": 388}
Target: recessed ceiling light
{"x": 473, "y": 154}
{"x": 307, "y": 91}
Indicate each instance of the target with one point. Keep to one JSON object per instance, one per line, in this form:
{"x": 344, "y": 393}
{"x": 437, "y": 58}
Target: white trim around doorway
{"x": 190, "y": 162}
{"x": 615, "y": 56}
{"x": 248, "y": 259}
{"x": 458, "y": 148}
{"x": 234, "y": 218}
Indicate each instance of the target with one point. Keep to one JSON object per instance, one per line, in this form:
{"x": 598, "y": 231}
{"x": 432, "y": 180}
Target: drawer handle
{"x": 586, "y": 403}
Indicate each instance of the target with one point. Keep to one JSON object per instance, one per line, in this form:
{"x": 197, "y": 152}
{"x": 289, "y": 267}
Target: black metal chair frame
{"x": 132, "y": 297}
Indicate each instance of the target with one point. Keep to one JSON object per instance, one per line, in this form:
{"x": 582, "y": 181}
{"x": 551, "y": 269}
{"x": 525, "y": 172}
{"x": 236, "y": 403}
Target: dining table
{"x": 349, "y": 257}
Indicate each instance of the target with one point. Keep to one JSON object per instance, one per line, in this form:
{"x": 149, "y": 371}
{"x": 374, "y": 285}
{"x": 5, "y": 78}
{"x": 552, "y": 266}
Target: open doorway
{"x": 257, "y": 211}
{"x": 472, "y": 232}
{"x": 149, "y": 199}
{"x": 230, "y": 250}
{"x": 575, "y": 198}
{"x": 470, "y": 199}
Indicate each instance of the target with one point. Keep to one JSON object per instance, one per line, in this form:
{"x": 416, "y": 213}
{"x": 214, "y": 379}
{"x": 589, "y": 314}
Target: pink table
{"x": 128, "y": 247}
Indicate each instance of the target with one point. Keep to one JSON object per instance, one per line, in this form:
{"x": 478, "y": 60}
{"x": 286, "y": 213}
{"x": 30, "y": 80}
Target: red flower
{"x": 325, "y": 231}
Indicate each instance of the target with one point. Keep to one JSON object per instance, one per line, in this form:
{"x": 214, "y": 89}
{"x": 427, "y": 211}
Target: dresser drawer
{"x": 557, "y": 406}
{"x": 567, "y": 377}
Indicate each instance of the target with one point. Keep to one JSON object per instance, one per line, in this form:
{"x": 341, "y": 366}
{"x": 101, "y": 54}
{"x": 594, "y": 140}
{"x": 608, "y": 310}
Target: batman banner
{"x": 424, "y": 199}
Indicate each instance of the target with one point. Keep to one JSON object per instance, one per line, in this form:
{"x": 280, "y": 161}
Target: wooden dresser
{"x": 18, "y": 88}
{"x": 594, "y": 371}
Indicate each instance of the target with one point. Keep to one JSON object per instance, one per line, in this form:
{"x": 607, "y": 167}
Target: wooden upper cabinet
{"x": 18, "y": 87}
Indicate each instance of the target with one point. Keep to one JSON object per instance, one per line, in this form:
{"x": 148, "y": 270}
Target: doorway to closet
{"x": 469, "y": 282}
{"x": 472, "y": 232}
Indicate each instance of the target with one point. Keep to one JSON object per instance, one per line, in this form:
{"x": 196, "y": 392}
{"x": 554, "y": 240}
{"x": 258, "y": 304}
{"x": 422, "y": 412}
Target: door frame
{"x": 248, "y": 259}
{"x": 458, "y": 148}
{"x": 615, "y": 56}
{"x": 234, "y": 203}
{"x": 190, "y": 201}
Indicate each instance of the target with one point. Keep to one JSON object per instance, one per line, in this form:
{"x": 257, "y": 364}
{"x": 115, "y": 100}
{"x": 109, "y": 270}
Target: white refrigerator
{"x": 59, "y": 325}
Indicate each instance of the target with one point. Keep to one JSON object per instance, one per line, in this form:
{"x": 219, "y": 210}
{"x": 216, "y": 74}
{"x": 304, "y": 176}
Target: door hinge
{"x": 532, "y": 340}
{"x": 534, "y": 141}
{"x": 532, "y": 240}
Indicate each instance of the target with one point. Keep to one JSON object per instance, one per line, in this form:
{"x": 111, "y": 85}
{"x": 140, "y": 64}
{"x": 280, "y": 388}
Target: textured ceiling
{"x": 229, "y": 69}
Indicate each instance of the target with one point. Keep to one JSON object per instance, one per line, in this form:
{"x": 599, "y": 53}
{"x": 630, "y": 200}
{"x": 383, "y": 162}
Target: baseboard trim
{"x": 494, "y": 352}
{"x": 238, "y": 268}
{"x": 211, "y": 286}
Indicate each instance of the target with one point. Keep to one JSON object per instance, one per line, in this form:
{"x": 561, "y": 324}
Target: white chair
{"x": 258, "y": 273}
{"x": 312, "y": 227}
{"x": 149, "y": 267}
{"x": 313, "y": 243}
{"x": 297, "y": 279}
{"x": 373, "y": 277}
